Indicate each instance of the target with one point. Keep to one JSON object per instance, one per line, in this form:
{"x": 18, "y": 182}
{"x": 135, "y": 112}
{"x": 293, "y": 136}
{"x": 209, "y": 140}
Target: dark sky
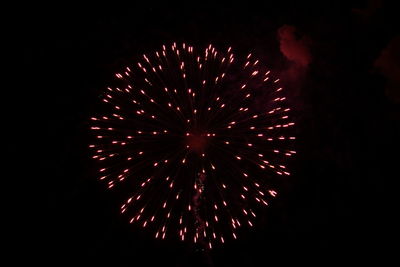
{"x": 340, "y": 200}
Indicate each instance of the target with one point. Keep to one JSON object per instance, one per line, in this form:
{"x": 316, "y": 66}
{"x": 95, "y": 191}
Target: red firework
{"x": 196, "y": 139}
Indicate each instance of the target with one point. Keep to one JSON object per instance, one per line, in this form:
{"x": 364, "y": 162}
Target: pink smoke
{"x": 295, "y": 49}
{"x": 388, "y": 63}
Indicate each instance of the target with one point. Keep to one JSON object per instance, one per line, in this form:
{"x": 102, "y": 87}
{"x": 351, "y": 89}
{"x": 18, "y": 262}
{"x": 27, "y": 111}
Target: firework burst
{"x": 196, "y": 139}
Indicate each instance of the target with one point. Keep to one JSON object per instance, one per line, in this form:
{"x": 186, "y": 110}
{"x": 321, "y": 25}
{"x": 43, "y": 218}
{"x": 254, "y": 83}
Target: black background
{"x": 340, "y": 201}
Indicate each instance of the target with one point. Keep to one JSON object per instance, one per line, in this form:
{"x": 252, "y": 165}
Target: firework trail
{"x": 196, "y": 140}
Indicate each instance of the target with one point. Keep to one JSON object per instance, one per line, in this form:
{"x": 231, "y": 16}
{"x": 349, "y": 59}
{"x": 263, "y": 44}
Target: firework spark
{"x": 196, "y": 139}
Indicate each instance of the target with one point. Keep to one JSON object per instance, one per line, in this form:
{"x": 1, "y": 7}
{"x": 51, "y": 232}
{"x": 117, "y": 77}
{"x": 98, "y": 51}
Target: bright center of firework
{"x": 197, "y": 142}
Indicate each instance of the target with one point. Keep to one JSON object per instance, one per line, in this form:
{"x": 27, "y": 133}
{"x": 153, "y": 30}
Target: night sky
{"x": 341, "y": 67}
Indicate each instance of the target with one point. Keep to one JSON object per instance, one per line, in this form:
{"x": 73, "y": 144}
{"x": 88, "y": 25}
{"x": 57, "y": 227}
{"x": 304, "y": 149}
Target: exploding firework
{"x": 196, "y": 140}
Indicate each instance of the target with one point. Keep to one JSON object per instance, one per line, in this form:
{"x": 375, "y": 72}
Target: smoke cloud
{"x": 293, "y": 47}
{"x": 388, "y": 64}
